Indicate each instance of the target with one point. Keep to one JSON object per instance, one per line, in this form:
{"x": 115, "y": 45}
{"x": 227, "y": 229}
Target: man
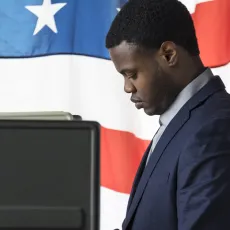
{"x": 183, "y": 182}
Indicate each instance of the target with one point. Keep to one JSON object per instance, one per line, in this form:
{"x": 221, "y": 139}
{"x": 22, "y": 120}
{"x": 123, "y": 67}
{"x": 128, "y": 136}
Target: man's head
{"x": 153, "y": 45}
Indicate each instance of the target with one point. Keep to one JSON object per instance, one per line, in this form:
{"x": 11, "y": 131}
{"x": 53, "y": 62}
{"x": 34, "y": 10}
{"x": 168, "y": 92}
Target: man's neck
{"x": 192, "y": 70}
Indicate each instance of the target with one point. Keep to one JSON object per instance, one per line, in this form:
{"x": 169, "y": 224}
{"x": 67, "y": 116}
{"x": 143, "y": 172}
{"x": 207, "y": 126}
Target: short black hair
{"x": 149, "y": 23}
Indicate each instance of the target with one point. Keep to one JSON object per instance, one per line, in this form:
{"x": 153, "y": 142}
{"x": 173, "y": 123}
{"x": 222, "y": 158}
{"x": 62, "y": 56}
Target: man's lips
{"x": 138, "y": 103}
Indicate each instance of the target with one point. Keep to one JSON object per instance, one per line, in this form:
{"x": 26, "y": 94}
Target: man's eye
{"x": 132, "y": 76}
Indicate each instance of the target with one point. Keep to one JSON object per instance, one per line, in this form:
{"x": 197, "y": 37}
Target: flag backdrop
{"x": 53, "y": 59}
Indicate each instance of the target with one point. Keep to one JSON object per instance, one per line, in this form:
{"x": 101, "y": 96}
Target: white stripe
{"x": 191, "y": 4}
{"x": 82, "y": 85}
{"x": 113, "y": 209}
{"x": 87, "y": 86}
{"x": 224, "y": 73}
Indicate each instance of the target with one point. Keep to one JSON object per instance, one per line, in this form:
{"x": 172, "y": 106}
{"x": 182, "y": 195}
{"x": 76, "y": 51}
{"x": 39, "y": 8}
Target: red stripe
{"x": 121, "y": 153}
{"x": 212, "y": 23}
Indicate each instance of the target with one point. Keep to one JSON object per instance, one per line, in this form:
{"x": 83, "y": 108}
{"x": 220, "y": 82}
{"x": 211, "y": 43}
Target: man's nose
{"x": 129, "y": 87}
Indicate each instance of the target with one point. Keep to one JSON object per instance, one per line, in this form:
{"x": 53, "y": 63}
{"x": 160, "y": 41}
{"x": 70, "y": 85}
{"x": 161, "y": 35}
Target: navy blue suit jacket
{"x": 186, "y": 184}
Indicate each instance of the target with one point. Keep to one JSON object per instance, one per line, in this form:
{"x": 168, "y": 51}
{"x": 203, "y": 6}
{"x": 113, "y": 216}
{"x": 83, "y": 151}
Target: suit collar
{"x": 186, "y": 94}
{"x": 175, "y": 125}
{"x": 215, "y": 85}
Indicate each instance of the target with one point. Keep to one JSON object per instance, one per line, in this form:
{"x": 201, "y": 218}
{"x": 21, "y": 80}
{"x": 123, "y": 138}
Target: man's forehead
{"x": 131, "y": 52}
{"x": 124, "y": 45}
{"x": 122, "y": 54}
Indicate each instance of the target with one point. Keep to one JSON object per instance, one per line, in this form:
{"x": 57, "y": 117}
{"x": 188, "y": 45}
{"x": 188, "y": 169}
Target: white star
{"x": 45, "y": 14}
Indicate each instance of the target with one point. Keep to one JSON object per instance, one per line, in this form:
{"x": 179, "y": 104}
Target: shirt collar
{"x": 185, "y": 95}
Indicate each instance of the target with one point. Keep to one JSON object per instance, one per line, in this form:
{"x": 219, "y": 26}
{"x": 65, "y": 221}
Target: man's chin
{"x": 150, "y": 111}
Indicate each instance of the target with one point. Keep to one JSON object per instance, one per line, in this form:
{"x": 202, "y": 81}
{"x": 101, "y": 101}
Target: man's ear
{"x": 168, "y": 51}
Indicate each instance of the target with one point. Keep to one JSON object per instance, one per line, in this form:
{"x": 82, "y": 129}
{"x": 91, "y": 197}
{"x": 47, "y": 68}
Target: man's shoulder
{"x": 215, "y": 107}
{"x": 208, "y": 128}
{"x": 209, "y": 123}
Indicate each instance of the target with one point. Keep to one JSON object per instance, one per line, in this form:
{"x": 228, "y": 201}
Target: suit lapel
{"x": 176, "y": 124}
{"x": 138, "y": 175}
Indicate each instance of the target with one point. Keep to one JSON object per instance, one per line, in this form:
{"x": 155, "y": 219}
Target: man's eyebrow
{"x": 126, "y": 70}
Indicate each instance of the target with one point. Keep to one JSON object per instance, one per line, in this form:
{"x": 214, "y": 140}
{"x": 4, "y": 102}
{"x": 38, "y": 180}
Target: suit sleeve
{"x": 203, "y": 186}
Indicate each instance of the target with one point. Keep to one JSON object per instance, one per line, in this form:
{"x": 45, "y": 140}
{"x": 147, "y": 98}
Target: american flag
{"x": 53, "y": 58}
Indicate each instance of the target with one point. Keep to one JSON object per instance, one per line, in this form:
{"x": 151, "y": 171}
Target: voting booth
{"x": 49, "y": 172}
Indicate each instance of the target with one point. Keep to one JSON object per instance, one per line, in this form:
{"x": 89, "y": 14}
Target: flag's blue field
{"x": 44, "y": 27}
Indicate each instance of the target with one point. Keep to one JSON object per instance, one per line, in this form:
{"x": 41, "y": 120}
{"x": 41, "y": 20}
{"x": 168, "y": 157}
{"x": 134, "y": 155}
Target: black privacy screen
{"x": 49, "y": 175}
